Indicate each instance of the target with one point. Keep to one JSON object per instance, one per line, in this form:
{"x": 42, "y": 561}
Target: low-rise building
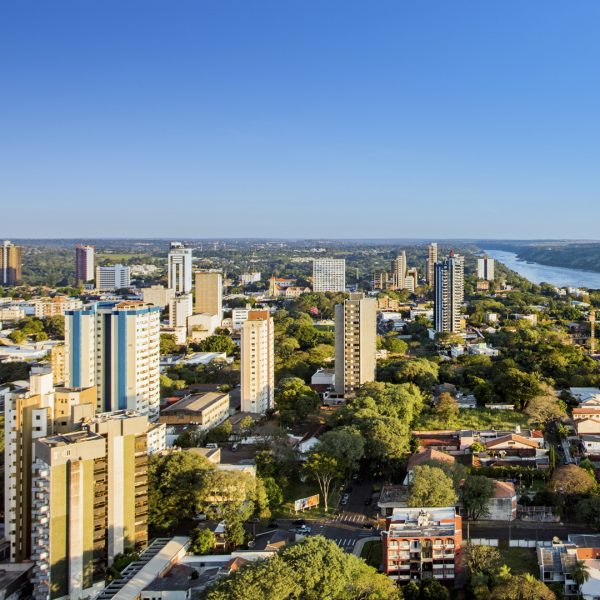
{"x": 204, "y": 410}
{"x": 422, "y": 543}
{"x": 56, "y": 306}
{"x": 424, "y": 456}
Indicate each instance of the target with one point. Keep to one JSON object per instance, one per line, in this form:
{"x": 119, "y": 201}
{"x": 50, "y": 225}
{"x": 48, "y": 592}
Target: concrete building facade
{"x": 179, "y": 268}
{"x": 329, "y": 275}
{"x": 257, "y": 363}
{"x": 449, "y": 294}
{"x": 10, "y": 264}
{"x": 355, "y": 343}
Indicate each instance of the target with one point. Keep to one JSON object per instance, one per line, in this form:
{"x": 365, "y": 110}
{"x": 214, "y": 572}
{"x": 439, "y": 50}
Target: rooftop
{"x": 179, "y": 578}
{"x": 196, "y": 402}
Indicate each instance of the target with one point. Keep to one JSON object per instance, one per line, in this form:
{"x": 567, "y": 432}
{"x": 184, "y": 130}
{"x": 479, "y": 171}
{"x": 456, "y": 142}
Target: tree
{"x": 273, "y": 491}
{"x": 220, "y": 434}
{"x": 446, "y": 408}
{"x": 545, "y": 407}
{"x": 482, "y": 559}
{"x": 246, "y": 424}
{"x": 588, "y": 511}
{"x": 203, "y": 541}
{"x": 323, "y": 469}
{"x": 295, "y": 400}
{"x": 313, "y": 569}
{"x": 431, "y": 487}
{"x": 217, "y": 343}
{"x": 395, "y": 345}
{"x": 477, "y": 491}
{"x": 588, "y": 465}
{"x": 55, "y": 327}
{"x": 168, "y": 345}
{"x": 175, "y": 482}
{"x": 571, "y": 480}
{"x": 419, "y": 371}
{"x": 234, "y": 533}
{"x": 580, "y": 572}
{"x": 523, "y": 587}
{"x": 345, "y": 445}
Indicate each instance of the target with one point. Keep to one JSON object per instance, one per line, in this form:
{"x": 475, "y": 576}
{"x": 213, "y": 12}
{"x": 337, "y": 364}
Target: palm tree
{"x": 580, "y": 573}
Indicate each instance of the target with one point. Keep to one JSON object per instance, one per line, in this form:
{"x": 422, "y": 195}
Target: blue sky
{"x": 312, "y": 118}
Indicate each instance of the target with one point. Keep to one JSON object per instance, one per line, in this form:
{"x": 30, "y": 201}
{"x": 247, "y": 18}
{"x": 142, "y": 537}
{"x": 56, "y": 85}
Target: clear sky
{"x": 300, "y": 118}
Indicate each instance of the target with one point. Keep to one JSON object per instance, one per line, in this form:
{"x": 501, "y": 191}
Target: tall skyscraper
{"x": 257, "y": 362}
{"x": 399, "y": 271}
{"x": 449, "y": 293}
{"x": 91, "y": 501}
{"x": 112, "y": 278}
{"x": 34, "y": 412}
{"x": 84, "y": 263}
{"x": 209, "y": 293}
{"x": 355, "y": 343}
{"x": 329, "y": 275}
{"x": 485, "y": 268}
{"x": 432, "y": 257}
{"x": 179, "y": 268}
{"x": 115, "y": 346}
{"x": 10, "y": 264}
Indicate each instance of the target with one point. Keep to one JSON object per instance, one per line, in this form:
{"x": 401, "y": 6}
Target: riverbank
{"x": 543, "y": 273}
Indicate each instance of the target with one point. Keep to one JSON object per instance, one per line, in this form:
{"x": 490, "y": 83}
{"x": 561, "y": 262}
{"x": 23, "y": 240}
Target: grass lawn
{"x": 475, "y": 418}
{"x": 296, "y": 490}
{"x": 371, "y": 553}
{"x": 520, "y": 560}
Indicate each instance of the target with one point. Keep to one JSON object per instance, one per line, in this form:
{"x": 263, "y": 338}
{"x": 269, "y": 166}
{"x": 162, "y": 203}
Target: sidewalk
{"x": 358, "y": 547}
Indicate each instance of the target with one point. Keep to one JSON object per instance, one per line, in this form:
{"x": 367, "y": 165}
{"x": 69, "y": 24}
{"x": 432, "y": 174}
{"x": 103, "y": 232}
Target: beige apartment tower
{"x": 257, "y": 363}
{"x": 90, "y": 486}
{"x": 355, "y": 343}
{"x": 10, "y": 264}
{"x": 208, "y": 291}
{"x": 432, "y": 258}
{"x": 399, "y": 271}
{"x": 35, "y": 412}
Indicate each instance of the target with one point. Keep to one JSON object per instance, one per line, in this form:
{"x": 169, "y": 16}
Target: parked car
{"x": 234, "y": 447}
{"x": 212, "y": 445}
{"x": 199, "y": 517}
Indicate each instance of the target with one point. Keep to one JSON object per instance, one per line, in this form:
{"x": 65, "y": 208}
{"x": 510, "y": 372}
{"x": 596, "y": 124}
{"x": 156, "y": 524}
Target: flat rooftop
{"x": 67, "y": 439}
{"x": 196, "y": 402}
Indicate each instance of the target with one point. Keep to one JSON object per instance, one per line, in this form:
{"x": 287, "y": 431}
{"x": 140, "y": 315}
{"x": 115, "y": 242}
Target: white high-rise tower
{"x": 180, "y": 268}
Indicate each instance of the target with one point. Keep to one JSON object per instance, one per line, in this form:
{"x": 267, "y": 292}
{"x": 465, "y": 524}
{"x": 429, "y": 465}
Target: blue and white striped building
{"x": 116, "y": 347}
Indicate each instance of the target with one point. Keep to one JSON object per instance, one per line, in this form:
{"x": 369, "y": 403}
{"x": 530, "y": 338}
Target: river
{"x": 537, "y": 273}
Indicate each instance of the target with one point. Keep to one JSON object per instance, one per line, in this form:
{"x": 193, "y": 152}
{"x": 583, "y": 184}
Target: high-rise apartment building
{"x": 329, "y": 275}
{"x": 179, "y": 268}
{"x": 84, "y": 263}
{"x": 257, "y": 362}
{"x": 158, "y": 295}
{"x": 69, "y": 488}
{"x": 355, "y": 343}
{"x": 115, "y": 346}
{"x": 399, "y": 271}
{"x": 432, "y": 257}
{"x": 485, "y": 268}
{"x": 91, "y": 502}
{"x": 34, "y": 412}
{"x": 10, "y": 264}
{"x": 112, "y": 278}
{"x": 125, "y": 433}
{"x": 449, "y": 293}
{"x": 209, "y": 293}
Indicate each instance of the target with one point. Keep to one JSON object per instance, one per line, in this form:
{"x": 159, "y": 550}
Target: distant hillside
{"x": 573, "y": 255}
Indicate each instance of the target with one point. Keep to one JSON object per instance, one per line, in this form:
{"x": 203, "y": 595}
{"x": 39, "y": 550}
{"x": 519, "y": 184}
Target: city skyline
{"x": 486, "y": 115}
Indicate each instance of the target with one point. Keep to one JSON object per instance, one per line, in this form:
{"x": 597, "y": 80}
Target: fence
{"x": 512, "y": 543}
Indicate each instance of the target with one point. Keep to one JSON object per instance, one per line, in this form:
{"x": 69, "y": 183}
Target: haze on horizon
{"x": 313, "y": 120}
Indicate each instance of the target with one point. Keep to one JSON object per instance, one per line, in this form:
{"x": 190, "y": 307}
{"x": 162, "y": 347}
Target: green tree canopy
{"x": 476, "y": 493}
{"x": 431, "y": 487}
{"x": 295, "y": 400}
{"x": 313, "y": 569}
